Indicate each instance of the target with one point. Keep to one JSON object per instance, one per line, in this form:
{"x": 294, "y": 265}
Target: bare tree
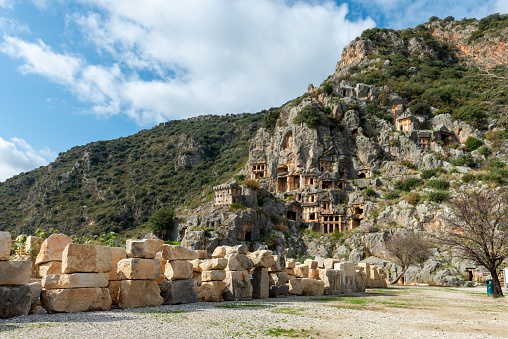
{"x": 408, "y": 249}
{"x": 478, "y": 229}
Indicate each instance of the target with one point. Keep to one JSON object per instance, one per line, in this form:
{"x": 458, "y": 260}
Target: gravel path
{"x": 403, "y": 312}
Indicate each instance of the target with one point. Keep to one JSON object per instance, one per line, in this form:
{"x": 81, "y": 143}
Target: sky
{"x": 78, "y": 71}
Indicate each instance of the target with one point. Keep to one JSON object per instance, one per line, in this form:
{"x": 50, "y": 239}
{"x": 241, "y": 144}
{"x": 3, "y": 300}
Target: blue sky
{"x": 78, "y": 71}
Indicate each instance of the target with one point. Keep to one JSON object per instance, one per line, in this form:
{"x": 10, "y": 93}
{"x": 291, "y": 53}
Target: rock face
{"x": 179, "y": 291}
{"x": 52, "y": 248}
{"x": 86, "y": 258}
{"x": 76, "y": 300}
{"x": 238, "y": 286}
{"x": 15, "y": 301}
{"x": 15, "y": 272}
{"x": 5, "y": 245}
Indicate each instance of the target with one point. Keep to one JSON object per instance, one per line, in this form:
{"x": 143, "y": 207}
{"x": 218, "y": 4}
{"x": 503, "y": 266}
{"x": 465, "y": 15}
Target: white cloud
{"x": 502, "y": 6}
{"x": 215, "y": 56}
{"x": 18, "y": 156}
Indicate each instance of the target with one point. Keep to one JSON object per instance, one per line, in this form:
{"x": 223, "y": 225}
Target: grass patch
{"x": 291, "y": 333}
{"x": 325, "y": 299}
{"x": 289, "y": 310}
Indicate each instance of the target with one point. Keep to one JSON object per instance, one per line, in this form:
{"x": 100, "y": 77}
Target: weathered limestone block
{"x": 39, "y": 310}
{"x": 214, "y": 264}
{"x": 162, "y": 267}
{"x": 332, "y": 281}
{"x": 329, "y": 263}
{"x": 202, "y": 254}
{"x": 295, "y": 286}
{"x": 290, "y": 263}
{"x": 290, "y": 271}
{"x": 5, "y": 246}
{"x": 260, "y": 283}
{"x": 33, "y": 245}
{"x": 242, "y": 249}
{"x": 75, "y": 280}
{"x": 51, "y": 267}
{"x": 52, "y": 248}
{"x": 86, "y": 258}
{"x": 196, "y": 276}
{"x": 179, "y": 291}
{"x": 211, "y": 291}
{"x": 219, "y": 252}
{"x": 301, "y": 271}
{"x": 279, "y": 264}
{"x": 14, "y": 301}
{"x": 178, "y": 270}
{"x": 76, "y": 300}
{"x": 278, "y": 278}
{"x": 15, "y": 272}
{"x": 139, "y": 293}
{"x": 138, "y": 269}
{"x": 320, "y": 262}
{"x": 279, "y": 291}
{"x": 196, "y": 265}
{"x": 238, "y": 286}
{"x": 383, "y": 276}
{"x": 117, "y": 254}
{"x": 213, "y": 275}
{"x": 238, "y": 262}
{"x": 348, "y": 274}
{"x": 291, "y": 276}
{"x": 365, "y": 267}
{"x": 35, "y": 293}
{"x": 114, "y": 290}
{"x": 313, "y": 264}
{"x": 146, "y": 248}
{"x": 314, "y": 273}
{"x": 262, "y": 258}
{"x": 172, "y": 252}
{"x": 360, "y": 281}
{"x": 305, "y": 286}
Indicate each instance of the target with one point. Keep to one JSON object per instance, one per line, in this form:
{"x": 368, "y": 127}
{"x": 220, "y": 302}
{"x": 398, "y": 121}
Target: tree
{"x": 478, "y": 229}
{"x": 408, "y": 249}
{"x": 162, "y": 221}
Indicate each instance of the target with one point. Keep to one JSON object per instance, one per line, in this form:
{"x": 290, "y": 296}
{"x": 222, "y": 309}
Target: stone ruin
{"x": 73, "y": 277}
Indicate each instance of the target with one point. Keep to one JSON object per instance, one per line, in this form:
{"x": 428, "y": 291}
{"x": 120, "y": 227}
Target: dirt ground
{"x": 395, "y": 312}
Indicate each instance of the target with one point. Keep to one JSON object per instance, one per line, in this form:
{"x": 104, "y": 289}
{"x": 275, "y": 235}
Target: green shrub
{"x": 420, "y": 108}
{"x": 240, "y": 178}
{"x": 427, "y": 174}
{"x": 252, "y": 184}
{"x": 162, "y": 221}
{"x": 438, "y": 196}
{"x": 235, "y": 206}
{"x": 496, "y": 175}
{"x": 473, "y": 143}
{"x": 270, "y": 118}
{"x": 408, "y": 184}
{"x": 370, "y": 192}
{"x": 433, "y": 18}
{"x": 310, "y": 114}
{"x": 485, "y": 151}
{"x": 496, "y": 163}
{"x": 468, "y": 177}
{"x": 391, "y": 195}
{"x": 464, "y": 160}
{"x": 470, "y": 114}
{"x": 413, "y": 199}
{"x": 328, "y": 88}
{"x": 438, "y": 184}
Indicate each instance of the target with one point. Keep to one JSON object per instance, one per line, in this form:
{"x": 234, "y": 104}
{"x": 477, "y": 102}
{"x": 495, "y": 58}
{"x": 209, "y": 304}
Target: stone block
{"x": 211, "y": 291}
{"x": 329, "y": 263}
{"x": 278, "y": 278}
{"x": 305, "y": 286}
{"x": 52, "y": 248}
{"x": 314, "y": 273}
{"x": 117, "y": 254}
{"x": 196, "y": 276}
{"x": 295, "y": 286}
{"x": 332, "y": 281}
{"x": 145, "y": 248}
{"x": 238, "y": 262}
{"x": 238, "y": 286}
{"x": 262, "y": 258}
{"x": 219, "y": 252}
{"x": 279, "y": 291}
{"x": 114, "y": 290}
{"x": 196, "y": 265}
{"x": 35, "y": 293}
{"x": 5, "y": 246}
{"x": 202, "y": 254}
{"x": 313, "y": 264}
{"x": 360, "y": 281}
{"x": 14, "y": 300}
{"x": 213, "y": 275}
{"x": 86, "y": 258}
{"x": 179, "y": 291}
{"x": 139, "y": 293}
{"x": 301, "y": 271}
{"x": 51, "y": 267}
{"x": 348, "y": 274}
{"x": 320, "y": 262}
{"x": 32, "y": 245}
{"x": 178, "y": 270}
{"x": 76, "y": 300}
{"x": 138, "y": 269}
{"x": 260, "y": 283}
{"x": 279, "y": 264}
{"x": 290, "y": 263}
{"x": 15, "y": 272}
{"x": 214, "y": 264}
{"x": 290, "y": 271}
{"x": 75, "y": 280}
{"x": 242, "y": 249}
{"x": 172, "y": 252}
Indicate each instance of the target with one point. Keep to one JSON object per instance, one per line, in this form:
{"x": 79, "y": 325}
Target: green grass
{"x": 292, "y": 333}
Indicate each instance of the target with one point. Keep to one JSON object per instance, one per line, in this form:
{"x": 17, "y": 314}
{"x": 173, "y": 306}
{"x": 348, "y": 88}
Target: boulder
{"x": 76, "y": 300}
{"x": 75, "y": 280}
{"x": 279, "y": 264}
{"x": 138, "y": 269}
{"x": 114, "y": 290}
{"x": 145, "y": 248}
{"x": 86, "y": 258}
{"x": 178, "y": 270}
{"x": 117, "y": 254}
{"x": 5, "y": 246}
{"x": 314, "y": 273}
{"x": 290, "y": 263}
{"x": 305, "y": 286}
{"x": 278, "y": 278}
{"x": 196, "y": 265}
{"x": 332, "y": 281}
{"x": 262, "y": 258}
{"x": 242, "y": 249}
{"x": 51, "y": 267}
{"x": 301, "y": 271}
{"x": 360, "y": 281}
{"x": 295, "y": 286}
{"x": 260, "y": 283}
{"x": 219, "y": 252}
{"x": 211, "y": 291}
{"x": 52, "y": 248}
{"x": 173, "y": 252}
{"x": 348, "y": 275}
{"x": 214, "y": 264}
{"x": 179, "y": 291}
{"x": 313, "y": 264}
{"x": 35, "y": 293}
{"x": 279, "y": 291}
{"x": 39, "y": 310}
{"x": 213, "y": 275}
{"x": 329, "y": 262}
{"x": 202, "y": 254}
{"x": 238, "y": 286}
{"x": 238, "y": 262}
{"x": 15, "y": 272}
{"x": 14, "y": 300}
{"x": 139, "y": 293}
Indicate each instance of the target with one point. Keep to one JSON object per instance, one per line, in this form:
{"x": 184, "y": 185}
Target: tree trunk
{"x": 398, "y": 277}
{"x": 498, "y": 291}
